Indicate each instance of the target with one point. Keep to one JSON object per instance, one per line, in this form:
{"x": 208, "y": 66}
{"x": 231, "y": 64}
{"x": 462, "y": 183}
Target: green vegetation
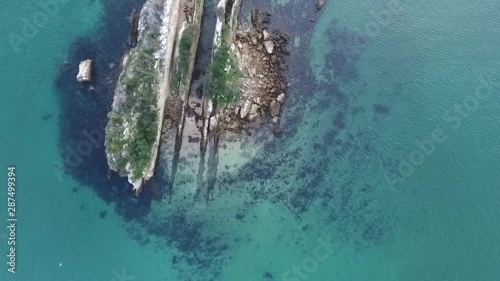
{"x": 184, "y": 59}
{"x": 224, "y": 76}
{"x": 138, "y": 114}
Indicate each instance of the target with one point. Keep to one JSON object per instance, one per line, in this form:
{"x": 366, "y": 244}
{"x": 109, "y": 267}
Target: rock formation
{"x": 84, "y": 71}
{"x": 261, "y": 56}
{"x": 246, "y": 86}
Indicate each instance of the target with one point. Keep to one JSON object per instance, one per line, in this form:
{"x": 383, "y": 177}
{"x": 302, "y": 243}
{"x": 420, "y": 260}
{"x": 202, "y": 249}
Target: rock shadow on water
{"x": 84, "y": 109}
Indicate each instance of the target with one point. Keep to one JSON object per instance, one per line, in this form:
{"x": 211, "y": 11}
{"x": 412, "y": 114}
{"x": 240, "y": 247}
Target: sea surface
{"x": 388, "y": 168}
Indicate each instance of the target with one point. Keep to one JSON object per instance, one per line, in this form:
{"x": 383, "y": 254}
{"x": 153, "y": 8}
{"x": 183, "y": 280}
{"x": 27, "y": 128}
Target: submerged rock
{"x": 84, "y": 71}
{"x": 256, "y": 18}
{"x": 320, "y": 5}
{"x": 274, "y": 108}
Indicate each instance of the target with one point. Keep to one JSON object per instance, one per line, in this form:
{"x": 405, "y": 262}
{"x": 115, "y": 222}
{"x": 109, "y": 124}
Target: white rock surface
{"x": 269, "y": 46}
{"x": 84, "y": 71}
{"x": 281, "y": 98}
{"x": 213, "y": 122}
{"x": 266, "y": 34}
{"x": 245, "y": 109}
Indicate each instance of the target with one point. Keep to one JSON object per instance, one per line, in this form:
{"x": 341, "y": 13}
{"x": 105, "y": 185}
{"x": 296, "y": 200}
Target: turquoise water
{"x": 371, "y": 81}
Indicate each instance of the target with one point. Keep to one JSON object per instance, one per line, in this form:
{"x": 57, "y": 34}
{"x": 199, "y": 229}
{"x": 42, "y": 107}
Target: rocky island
{"x": 159, "y": 101}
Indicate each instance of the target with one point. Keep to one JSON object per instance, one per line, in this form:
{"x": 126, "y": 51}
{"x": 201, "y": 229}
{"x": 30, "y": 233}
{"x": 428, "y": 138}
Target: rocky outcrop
{"x": 84, "y": 71}
{"x": 135, "y": 122}
{"x": 261, "y": 54}
{"x": 261, "y": 57}
{"x": 134, "y": 29}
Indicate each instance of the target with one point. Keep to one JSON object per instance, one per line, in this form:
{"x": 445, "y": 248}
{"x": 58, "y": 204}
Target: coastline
{"x": 253, "y": 53}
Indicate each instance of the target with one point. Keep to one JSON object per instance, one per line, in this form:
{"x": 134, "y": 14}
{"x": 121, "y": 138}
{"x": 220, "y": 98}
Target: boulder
{"x": 266, "y": 34}
{"x": 209, "y": 107}
{"x": 274, "y": 108}
{"x": 84, "y": 71}
{"x": 245, "y": 109}
{"x": 252, "y": 117}
{"x": 275, "y": 120}
{"x": 213, "y": 122}
{"x": 253, "y": 109}
{"x": 269, "y": 46}
{"x": 281, "y": 98}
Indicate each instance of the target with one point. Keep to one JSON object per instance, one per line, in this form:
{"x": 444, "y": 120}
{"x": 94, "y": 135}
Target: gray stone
{"x": 269, "y": 46}
{"x": 274, "y": 108}
{"x": 84, "y": 71}
{"x": 245, "y": 109}
{"x": 213, "y": 122}
{"x": 253, "y": 109}
{"x": 266, "y": 34}
{"x": 252, "y": 117}
{"x": 209, "y": 107}
{"x": 281, "y": 98}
